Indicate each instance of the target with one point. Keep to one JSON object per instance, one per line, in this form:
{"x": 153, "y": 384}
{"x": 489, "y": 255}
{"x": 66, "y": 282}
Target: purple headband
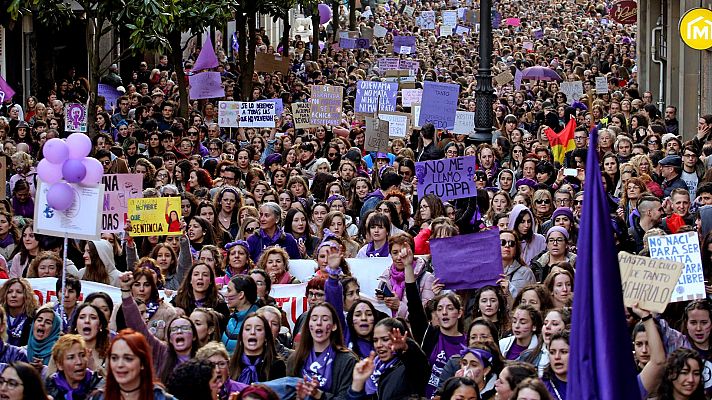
{"x": 335, "y": 197}
{"x": 484, "y": 356}
{"x": 326, "y": 241}
{"x": 238, "y": 243}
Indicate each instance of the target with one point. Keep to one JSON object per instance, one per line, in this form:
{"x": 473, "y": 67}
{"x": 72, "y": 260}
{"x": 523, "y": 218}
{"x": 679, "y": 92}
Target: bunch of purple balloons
{"x": 66, "y": 161}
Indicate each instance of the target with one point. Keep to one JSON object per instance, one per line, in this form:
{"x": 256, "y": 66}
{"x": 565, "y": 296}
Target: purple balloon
{"x": 55, "y": 150}
{"x": 94, "y": 171}
{"x": 49, "y": 173}
{"x": 324, "y": 13}
{"x": 79, "y": 145}
{"x": 60, "y": 196}
{"x": 73, "y": 171}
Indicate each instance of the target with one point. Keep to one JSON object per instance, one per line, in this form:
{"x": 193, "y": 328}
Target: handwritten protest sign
{"x": 257, "y": 114}
{"x": 376, "y": 135}
{"x": 503, "y": 78}
{"x": 408, "y": 10}
{"x": 685, "y": 248}
{"x": 464, "y": 122}
{"x": 404, "y": 41}
{"x": 82, "y": 220}
{"x": 118, "y": 189}
{"x": 301, "y": 114}
{"x": 155, "y": 216}
{"x": 415, "y": 112}
{"x": 410, "y": 96}
{"x": 379, "y": 31}
{"x": 467, "y": 261}
{"x": 278, "y": 106}
{"x": 229, "y": 114}
{"x": 426, "y": 20}
{"x": 206, "y": 85}
{"x": 439, "y": 104}
{"x": 397, "y": 123}
{"x": 449, "y": 17}
{"x": 76, "y": 118}
{"x": 462, "y": 30}
{"x": 411, "y": 65}
{"x": 347, "y": 43}
{"x": 388, "y": 63}
{"x": 450, "y": 178}
{"x": 271, "y": 63}
{"x": 572, "y": 90}
{"x": 372, "y": 96}
{"x": 326, "y": 102}
{"x": 647, "y": 281}
{"x": 601, "y": 85}
{"x": 446, "y": 30}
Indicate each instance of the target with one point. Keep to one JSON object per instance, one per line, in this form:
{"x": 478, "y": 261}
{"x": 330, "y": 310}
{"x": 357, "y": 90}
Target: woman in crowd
{"x": 227, "y": 202}
{"x": 91, "y": 324}
{"x": 526, "y": 328}
{"x": 21, "y": 381}
{"x": 74, "y": 378}
{"x": 216, "y": 353}
{"x": 9, "y": 235}
{"x": 490, "y": 304}
{"x": 19, "y": 304}
{"x": 521, "y": 221}
{"x": 560, "y": 285}
{"x": 271, "y": 233}
{"x": 241, "y": 297}
{"x": 557, "y": 251}
{"x": 173, "y": 265}
{"x": 99, "y": 265}
{"x": 275, "y": 261}
{"x": 296, "y": 223}
{"x": 46, "y": 327}
{"x": 25, "y": 251}
{"x": 378, "y": 227}
{"x": 518, "y": 274}
{"x": 182, "y": 338}
{"x": 255, "y": 358}
{"x": 237, "y": 261}
{"x": 200, "y": 290}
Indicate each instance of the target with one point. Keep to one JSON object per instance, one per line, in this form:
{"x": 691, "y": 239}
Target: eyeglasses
{"x": 578, "y": 202}
{"x": 11, "y": 383}
{"x": 315, "y": 295}
{"x": 220, "y": 364}
{"x": 181, "y": 328}
{"x": 507, "y": 243}
{"x": 555, "y": 240}
{"x": 106, "y": 162}
{"x": 250, "y": 230}
{"x": 653, "y": 142}
{"x": 542, "y": 201}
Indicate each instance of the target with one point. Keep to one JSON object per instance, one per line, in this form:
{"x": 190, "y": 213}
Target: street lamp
{"x": 484, "y": 92}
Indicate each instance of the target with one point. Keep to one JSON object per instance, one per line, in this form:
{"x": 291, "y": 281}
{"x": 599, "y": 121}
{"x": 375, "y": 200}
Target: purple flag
{"x": 207, "y": 58}
{"x": 517, "y": 79}
{"x": 467, "y": 261}
{"x": 601, "y": 363}
{"x": 6, "y": 91}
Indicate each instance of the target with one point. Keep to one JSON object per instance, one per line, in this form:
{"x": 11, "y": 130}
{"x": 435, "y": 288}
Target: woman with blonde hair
{"x": 19, "y": 303}
{"x": 46, "y": 265}
{"x": 275, "y": 261}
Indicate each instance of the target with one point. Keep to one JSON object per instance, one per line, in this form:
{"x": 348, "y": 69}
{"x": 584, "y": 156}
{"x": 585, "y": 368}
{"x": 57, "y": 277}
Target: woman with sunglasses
{"x": 518, "y": 274}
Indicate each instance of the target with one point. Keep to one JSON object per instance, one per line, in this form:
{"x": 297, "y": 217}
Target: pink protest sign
{"x": 512, "y": 21}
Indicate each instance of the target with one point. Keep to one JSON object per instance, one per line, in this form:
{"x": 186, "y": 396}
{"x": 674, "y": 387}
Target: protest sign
{"x": 118, "y": 189}
{"x": 376, "y": 135}
{"x": 271, "y": 63}
{"x": 82, "y": 220}
{"x": 367, "y": 33}
{"x": 155, "y": 216}
{"x": 411, "y": 65}
{"x": 408, "y": 10}
{"x": 684, "y": 248}
{"x": 503, "y": 78}
{"x": 372, "y": 96}
{"x": 388, "y": 63}
{"x": 464, "y": 122}
{"x": 278, "y": 106}
{"x": 518, "y": 75}
{"x": 467, "y": 261}
{"x": 410, "y": 96}
{"x": 379, "y": 31}
{"x": 439, "y": 104}
{"x": 397, "y": 123}
{"x": 363, "y": 43}
{"x": 538, "y": 33}
{"x": 461, "y": 30}
{"x": 529, "y": 46}
{"x": 326, "y": 102}
{"x": 301, "y": 114}
{"x": 76, "y": 120}
{"x": 449, "y": 178}
{"x": 257, "y": 114}
{"x": 415, "y": 112}
{"x": 513, "y": 21}
{"x": 347, "y": 43}
{"x": 461, "y": 11}
{"x": 206, "y": 85}
{"x": 426, "y": 20}
{"x": 404, "y": 41}
{"x": 110, "y": 95}
{"x": 229, "y": 114}
{"x": 446, "y": 30}
{"x": 648, "y": 282}
{"x": 449, "y": 17}
{"x": 572, "y": 90}
{"x": 601, "y": 85}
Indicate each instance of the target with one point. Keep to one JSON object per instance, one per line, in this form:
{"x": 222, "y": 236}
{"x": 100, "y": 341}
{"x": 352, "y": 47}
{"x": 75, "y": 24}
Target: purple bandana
{"x": 320, "y": 366}
{"x": 249, "y": 374}
{"x": 80, "y": 391}
{"x": 384, "y": 251}
{"x": 14, "y": 329}
{"x": 378, "y": 370}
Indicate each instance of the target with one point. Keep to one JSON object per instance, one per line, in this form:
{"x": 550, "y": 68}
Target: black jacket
{"x": 95, "y": 383}
{"x": 341, "y": 374}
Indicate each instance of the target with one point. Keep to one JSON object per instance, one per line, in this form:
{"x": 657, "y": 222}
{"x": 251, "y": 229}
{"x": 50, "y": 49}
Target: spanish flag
{"x": 563, "y": 141}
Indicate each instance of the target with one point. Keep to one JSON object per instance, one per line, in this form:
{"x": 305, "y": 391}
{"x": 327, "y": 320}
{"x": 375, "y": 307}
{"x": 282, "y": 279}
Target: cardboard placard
{"x": 257, "y": 114}
{"x": 301, "y": 114}
{"x": 118, "y": 189}
{"x": 448, "y": 178}
{"x": 601, "y": 85}
{"x": 410, "y": 96}
{"x": 376, "y": 135}
{"x": 326, "y": 104}
{"x": 464, "y": 123}
{"x": 398, "y": 123}
{"x": 648, "y": 282}
{"x": 229, "y": 114}
{"x": 503, "y": 78}
{"x": 271, "y": 63}
{"x": 572, "y": 90}
{"x": 685, "y": 248}
{"x": 76, "y": 118}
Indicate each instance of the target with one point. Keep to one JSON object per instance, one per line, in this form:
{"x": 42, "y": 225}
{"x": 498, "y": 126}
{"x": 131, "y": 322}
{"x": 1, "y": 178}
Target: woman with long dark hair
{"x": 242, "y": 299}
{"x": 255, "y": 358}
{"x": 199, "y": 290}
{"x": 90, "y": 323}
{"x": 22, "y": 381}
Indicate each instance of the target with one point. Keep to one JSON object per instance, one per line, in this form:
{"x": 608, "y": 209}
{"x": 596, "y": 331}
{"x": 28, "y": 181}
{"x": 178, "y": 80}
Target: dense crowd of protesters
{"x": 252, "y": 199}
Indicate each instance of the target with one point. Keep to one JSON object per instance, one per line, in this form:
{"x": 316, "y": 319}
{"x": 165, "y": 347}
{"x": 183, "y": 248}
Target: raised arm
{"x": 133, "y": 317}
{"x": 416, "y": 312}
{"x": 652, "y": 373}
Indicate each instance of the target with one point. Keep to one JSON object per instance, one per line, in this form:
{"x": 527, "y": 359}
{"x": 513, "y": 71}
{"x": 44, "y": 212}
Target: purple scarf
{"x": 7, "y": 241}
{"x": 80, "y": 391}
{"x": 321, "y": 366}
{"x": 378, "y": 370}
{"x": 14, "y": 329}
{"x": 249, "y": 374}
{"x": 382, "y": 252}
{"x": 397, "y": 281}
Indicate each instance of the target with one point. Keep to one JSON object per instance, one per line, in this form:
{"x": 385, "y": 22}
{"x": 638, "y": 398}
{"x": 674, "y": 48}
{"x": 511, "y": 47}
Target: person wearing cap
{"x": 372, "y": 158}
{"x": 670, "y": 169}
{"x": 157, "y": 96}
{"x": 557, "y": 251}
